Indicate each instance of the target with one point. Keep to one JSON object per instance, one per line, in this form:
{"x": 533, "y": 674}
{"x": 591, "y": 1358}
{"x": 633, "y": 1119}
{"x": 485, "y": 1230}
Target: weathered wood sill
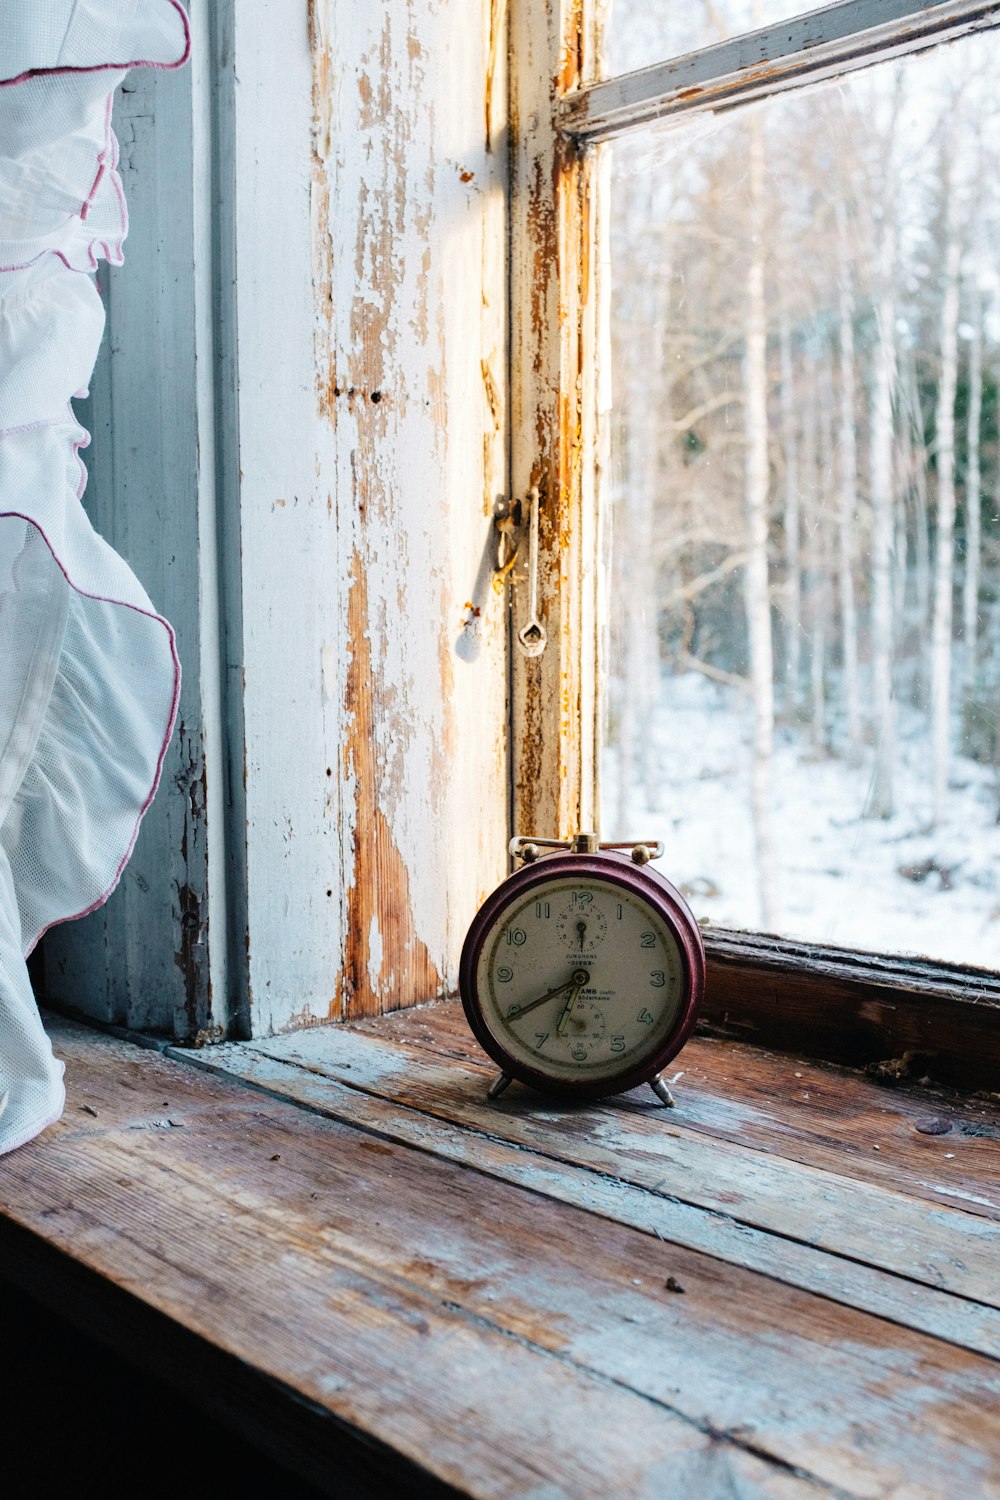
{"x": 334, "y": 1245}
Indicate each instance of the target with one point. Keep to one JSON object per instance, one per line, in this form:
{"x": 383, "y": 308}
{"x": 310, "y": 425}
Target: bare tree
{"x": 637, "y": 560}
{"x": 793, "y": 561}
{"x": 756, "y": 574}
{"x": 944, "y": 549}
{"x": 880, "y": 799}
{"x": 848, "y": 475}
{"x": 973, "y": 491}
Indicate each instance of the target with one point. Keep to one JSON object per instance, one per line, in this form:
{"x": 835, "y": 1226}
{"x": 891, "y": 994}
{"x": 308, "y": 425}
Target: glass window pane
{"x": 803, "y": 571}
{"x": 637, "y": 33}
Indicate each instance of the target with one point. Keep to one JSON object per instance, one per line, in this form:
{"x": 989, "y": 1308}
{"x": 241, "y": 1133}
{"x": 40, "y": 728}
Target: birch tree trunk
{"x": 944, "y": 552}
{"x": 756, "y": 581}
{"x": 848, "y": 475}
{"x": 973, "y": 493}
{"x": 916, "y": 460}
{"x": 793, "y": 561}
{"x": 818, "y": 453}
{"x": 900, "y": 548}
{"x": 880, "y": 801}
{"x": 640, "y": 666}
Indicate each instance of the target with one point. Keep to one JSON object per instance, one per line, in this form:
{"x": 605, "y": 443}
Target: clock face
{"x": 581, "y": 981}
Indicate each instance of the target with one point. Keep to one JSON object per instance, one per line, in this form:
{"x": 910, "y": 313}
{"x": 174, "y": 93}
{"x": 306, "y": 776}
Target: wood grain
{"x": 946, "y": 1249}
{"x": 816, "y": 1113}
{"x": 317, "y": 1256}
{"x": 940, "y": 1314}
{"x": 858, "y": 1009}
{"x": 500, "y": 1340}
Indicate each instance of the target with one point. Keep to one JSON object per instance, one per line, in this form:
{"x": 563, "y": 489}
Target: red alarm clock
{"x": 582, "y": 974}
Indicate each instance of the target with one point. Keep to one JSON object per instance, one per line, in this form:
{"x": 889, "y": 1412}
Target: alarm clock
{"x": 582, "y": 974}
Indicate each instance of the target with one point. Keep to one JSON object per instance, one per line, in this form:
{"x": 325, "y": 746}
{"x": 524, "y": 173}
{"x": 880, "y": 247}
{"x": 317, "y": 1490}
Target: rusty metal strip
{"x": 837, "y": 39}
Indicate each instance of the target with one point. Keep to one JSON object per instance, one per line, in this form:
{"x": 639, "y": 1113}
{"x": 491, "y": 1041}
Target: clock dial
{"x": 581, "y": 980}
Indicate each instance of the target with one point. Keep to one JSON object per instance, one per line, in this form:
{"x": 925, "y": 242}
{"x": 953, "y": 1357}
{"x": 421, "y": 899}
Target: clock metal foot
{"x": 500, "y": 1082}
{"x": 662, "y": 1092}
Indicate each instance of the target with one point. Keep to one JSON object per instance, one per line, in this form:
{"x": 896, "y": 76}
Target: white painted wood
{"x": 313, "y": 327}
{"x": 826, "y": 42}
{"x": 369, "y": 264}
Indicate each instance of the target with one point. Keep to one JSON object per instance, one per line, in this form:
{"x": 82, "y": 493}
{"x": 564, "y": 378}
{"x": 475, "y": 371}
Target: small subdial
{"x": 585, "y": 1025}
{"x": 584, "y": 1028}
{"x": 582, "y": 929}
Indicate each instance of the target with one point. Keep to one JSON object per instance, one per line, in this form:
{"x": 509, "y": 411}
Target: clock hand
{"x": 580, "y": 978}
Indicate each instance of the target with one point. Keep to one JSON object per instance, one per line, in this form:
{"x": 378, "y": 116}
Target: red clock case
{"x": 640, "y": 880}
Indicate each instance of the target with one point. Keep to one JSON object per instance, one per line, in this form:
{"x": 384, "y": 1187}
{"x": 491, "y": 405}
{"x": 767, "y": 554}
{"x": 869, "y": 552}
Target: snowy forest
{"x": 802, "y": 496}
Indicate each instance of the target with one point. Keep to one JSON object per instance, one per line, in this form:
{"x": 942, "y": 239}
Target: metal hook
{"x": 505, "y": 519}
{"x": 531, "y": 637}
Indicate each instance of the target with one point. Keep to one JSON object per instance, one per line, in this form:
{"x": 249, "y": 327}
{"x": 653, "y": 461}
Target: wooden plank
{"x": 553, "y": 222}
{"x": 668, "y": 1218}
{"x": 825, "y": 43}
{"x": 433, "y": 1304}
{"x": 398, "y": 1294}
{"x": 368, "y": 220}
{"x": 857, "y": 1009}
{"x": 940, "y": 1247}
{"x": 818, "y": 1114}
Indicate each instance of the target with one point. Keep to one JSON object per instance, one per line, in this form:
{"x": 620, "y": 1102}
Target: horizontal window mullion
{"x": 827, "y": 42}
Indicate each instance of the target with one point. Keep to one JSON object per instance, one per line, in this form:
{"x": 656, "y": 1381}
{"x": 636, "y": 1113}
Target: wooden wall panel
{"x": 370, "y": 457}
{"x": 317, "y": 520}
{"x": 554, "y": 432}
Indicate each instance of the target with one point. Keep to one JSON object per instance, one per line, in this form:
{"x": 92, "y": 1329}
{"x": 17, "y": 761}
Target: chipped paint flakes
{"x": 376, "y": 953}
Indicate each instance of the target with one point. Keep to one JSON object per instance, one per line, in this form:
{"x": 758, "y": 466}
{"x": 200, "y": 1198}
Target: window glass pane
{"x": 803, "y": 569}
{"x": 637, "y": 33}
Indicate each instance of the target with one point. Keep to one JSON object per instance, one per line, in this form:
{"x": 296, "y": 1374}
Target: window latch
{"x": 511, "y": 519}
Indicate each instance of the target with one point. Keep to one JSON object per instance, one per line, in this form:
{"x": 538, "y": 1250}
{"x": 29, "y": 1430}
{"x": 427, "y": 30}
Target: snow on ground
{"x": 838, "y": 874}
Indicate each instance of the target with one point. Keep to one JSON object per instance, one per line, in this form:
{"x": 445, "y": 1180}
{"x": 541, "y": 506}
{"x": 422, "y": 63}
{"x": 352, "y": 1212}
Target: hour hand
{"x": 579, "y": 979}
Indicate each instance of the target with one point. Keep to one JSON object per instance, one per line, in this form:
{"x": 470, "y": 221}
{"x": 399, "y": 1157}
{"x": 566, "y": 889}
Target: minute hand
{"x": 571, "y": 984}
{"x": 568, "y": 1008}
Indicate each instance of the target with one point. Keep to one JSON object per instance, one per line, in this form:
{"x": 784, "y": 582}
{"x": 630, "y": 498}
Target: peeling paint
{"x": 552, "y": 424}
{"x": 378, "y": 899}
{"x": 409, "y": 314}
{"x": 376, "y": 955}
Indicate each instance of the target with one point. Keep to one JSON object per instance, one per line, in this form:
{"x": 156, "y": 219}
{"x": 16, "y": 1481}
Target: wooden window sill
{"x": 332, "y": 1242}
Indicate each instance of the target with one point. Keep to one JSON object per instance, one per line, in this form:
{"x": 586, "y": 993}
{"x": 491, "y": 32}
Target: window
{"x": 650, "y": 238}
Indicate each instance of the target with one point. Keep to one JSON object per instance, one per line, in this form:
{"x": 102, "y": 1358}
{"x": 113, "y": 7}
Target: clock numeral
{"x": 621, "y": 911}
{"x": 541, "y": 1037}
{"x": 513, "y": 1010}
{"x": 505, "y": 974}
{"x": 517, "y": 936}
{"x": 582, "y": 898}
{"x": 579, "y": 1053}
{"x": 648, "y": 940}
{"x": 645, "y": 1017}
{"x": 618, "y": 1044}
{"x": 657, "y": 978}
{"x": 543, "y": 909}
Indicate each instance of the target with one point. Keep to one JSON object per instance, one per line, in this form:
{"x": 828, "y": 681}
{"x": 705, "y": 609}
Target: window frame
{"x": 848, "y": 1006}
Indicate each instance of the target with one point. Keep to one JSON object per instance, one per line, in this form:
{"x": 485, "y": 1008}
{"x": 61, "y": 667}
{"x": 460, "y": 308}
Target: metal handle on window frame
{"x": 531, "y": 637}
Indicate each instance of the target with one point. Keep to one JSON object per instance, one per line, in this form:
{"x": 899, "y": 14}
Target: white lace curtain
{"x": 89, "y": 676}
